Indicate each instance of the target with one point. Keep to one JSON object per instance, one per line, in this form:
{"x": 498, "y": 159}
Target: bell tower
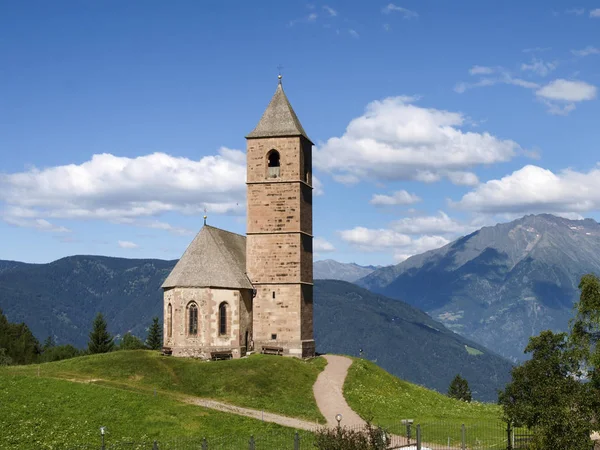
{"x": 279, "y": 243}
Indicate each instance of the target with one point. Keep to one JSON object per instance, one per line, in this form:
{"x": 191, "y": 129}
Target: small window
{"x": 273, "y": 294}
{"x": 223, "y": 318}
{"x": 273, "y": 337}
{"x": 273, "y": 164}
{"x": 193, "y": 319}
{"x": 169, "y": 321}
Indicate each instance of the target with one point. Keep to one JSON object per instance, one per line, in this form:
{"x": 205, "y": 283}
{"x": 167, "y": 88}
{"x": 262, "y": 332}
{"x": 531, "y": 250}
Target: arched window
{"x": 193, "y": 319}
{"x": 169, "y": 321}
{"x": 273, "y": 164}
{"x": 223, "y": 318}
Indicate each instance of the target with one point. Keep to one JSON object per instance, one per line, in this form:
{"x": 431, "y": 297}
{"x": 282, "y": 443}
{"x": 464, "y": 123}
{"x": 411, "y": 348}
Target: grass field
{"x": 386, "y": 400}
{"x": 45, "y": 413}
{"x": 278, "y": 385}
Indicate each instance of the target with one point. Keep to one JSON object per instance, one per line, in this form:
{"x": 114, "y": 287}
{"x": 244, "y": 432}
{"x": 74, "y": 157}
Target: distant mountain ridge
{"x": 329, "y": 269}
{"x": 501, "y": 284}
{"x": 62, "y": 297}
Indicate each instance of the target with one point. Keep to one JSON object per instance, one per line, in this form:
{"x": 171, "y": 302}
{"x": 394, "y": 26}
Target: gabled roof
{"x": 279, "y": 119}
{"x": 215, "y": 258}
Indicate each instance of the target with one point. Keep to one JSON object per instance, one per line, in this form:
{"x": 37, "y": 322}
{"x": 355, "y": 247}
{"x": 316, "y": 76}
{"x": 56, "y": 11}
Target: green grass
{"x": 269, "y": 383}
{"x": 385, "y": 400}
{"x": 473, "y": 351}
{"x": 45, "y": 413}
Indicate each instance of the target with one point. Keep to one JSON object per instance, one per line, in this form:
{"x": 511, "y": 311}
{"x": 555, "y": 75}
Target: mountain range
{"x": 502, "y": 284}
{"x": 61, "y": 299}
{"x": 329, "y": 269}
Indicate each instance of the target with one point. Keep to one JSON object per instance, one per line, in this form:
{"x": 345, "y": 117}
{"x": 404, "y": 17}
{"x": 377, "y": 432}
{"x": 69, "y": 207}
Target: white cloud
{"x": 595, "y": 13}
{"x": 441, "y": 224}
{"x": 420, "y": 245}
{"x": 127, "y": 244}
{"x": 539, "y": 67}
{"x": 322, "y": 245}
{"x": 39, "y": 224}
{"x": 329, "y": 10}
{"x": 353, "y": 33}
{"x": 114, "y": 188}
{"x": 317, "y": 186}
{"x": 589, "y": 50}
{"x": 463, "y": 178}
{"x": 569, "y": 91}
{"x": 536, "y": 49}
{"x": 397, "y": 140}
{"x": 575, "y": 11}
{"x": 397, "y": 198}
{"x": 534, "y": 189}
{"x": 481, "y": 70}
{"x": 406, "y": 13}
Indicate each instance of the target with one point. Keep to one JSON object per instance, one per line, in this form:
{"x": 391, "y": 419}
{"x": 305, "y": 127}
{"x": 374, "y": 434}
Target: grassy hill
{"x": 278, "y": 385}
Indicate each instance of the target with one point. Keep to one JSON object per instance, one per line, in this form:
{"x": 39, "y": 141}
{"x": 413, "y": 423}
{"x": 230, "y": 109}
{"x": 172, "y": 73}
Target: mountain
{"x": 329, "y": 269}
{"x": 499, "y": 285}
{"x": 61, "y": 298}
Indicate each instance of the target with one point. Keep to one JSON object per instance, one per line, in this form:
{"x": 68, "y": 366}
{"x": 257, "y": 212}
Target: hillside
{"x": 328, "y": 269}
{"x": 61, "y": 298}
{"x": 499, "y": 285}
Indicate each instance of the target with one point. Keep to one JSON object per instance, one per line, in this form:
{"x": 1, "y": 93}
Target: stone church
{"x": 230, "y": 294}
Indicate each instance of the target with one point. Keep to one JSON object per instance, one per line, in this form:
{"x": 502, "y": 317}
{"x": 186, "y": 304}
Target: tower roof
{"x": 279, "y": 119}
{"x": 215, "y": 258}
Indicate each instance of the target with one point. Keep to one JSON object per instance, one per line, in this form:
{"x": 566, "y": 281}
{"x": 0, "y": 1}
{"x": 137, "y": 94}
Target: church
{"x": 231, "y": 294}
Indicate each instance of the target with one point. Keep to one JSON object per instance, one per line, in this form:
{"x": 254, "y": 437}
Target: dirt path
{"x": 255, "y": 414}
{"x": 328, "y": 390}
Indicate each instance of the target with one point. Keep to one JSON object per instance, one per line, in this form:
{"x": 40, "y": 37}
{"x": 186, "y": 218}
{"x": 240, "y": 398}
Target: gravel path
{"x": 328, "y": 390}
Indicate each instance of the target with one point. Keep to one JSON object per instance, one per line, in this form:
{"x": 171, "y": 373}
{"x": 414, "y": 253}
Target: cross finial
{"x": 279, "y": 76}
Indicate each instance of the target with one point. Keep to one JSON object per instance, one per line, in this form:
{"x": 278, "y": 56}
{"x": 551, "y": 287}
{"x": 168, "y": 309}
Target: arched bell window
{"x": 273, "y": 164}
{"x": 193, "y": 319}
{"x": 223, "y": 319}
{"x": 169, "y": 321}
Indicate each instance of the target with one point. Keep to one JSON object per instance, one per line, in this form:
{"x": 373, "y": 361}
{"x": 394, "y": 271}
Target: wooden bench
{"x": 166, "y": 351}
{"x": 216, "y": 356}
{"x": 272, "y": 350}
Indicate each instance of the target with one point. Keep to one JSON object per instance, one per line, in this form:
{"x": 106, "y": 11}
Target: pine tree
{"x": 100, "y": 340}
{"x": 459, "y": 389}
{"x": 154, "y": 340}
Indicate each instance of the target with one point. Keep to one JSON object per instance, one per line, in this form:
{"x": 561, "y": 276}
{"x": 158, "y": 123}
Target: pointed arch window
{"x": 273, "y": 164}
{"x": 193, "y": 319}
{"x": 169, "y": 321}
{"x": 223, "y": 319}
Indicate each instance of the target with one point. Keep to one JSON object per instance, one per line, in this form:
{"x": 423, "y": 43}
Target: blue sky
{"x": 120, "y": 122}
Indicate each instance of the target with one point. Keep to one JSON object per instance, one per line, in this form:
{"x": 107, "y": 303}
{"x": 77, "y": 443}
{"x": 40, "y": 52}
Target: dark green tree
{"x": 459, "y": 389}
{"x": 5, "y": 360}
{"x": 547, "y": 395}
{"x": 60, "y": 352}
{"x": 131, "y": 342}
{"x": 48, "y": 343}
{"x": 19, "y": 343}
{"x": 100, "y": 340}
{"x": 154, "y": 340}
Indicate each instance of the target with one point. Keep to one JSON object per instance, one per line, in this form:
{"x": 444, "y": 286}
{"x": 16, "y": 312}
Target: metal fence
{"x": 406, "y": 435}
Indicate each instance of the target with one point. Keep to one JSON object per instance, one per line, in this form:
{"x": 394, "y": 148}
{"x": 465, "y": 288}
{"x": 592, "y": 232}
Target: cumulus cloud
{"x": 114, "y": 188}
{"x": 406, "y": 13}
{"x": 397, "y": 140}
{"x": 321, "y": 245}
{"x": 569, "y": 91}
{"x": 441, "y": 224}
{"x": 39, "y": 224}
{"x": 587, "y": 51}
{"x": 127, "y": 245}
{"x": 533, "y": 189}
{"x": 397, "y": 198}
{"x": 401, "y": 245}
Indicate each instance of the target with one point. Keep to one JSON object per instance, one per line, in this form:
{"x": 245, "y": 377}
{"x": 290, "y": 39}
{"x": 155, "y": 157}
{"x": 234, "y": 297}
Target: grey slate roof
{"x": 279, "y": 119}
{"x": 215, "y": 258}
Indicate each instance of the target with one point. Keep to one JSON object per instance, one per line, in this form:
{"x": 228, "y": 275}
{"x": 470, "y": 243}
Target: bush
{"x": 340, "y": 438}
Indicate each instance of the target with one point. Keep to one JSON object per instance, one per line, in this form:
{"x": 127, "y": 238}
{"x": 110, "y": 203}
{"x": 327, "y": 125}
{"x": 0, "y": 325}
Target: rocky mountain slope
{"x": 328, "y": 269}
{"x": 61, "y": 299}
{"x": 499, "y": 285}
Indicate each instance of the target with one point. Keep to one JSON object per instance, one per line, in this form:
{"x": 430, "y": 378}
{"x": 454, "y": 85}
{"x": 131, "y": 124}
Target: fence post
{"x": 204, "y": 444}
{"x": 419, "y": 436}
{"x": 463, "y": 437}
{"x": 155, "y": 446}
{"x": 296, "y": 441}
{"x": 251, "y": 443}
{"x": 509, "y": 445}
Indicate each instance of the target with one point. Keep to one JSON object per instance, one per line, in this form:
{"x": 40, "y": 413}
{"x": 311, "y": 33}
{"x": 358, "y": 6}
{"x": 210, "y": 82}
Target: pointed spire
{"x": 279, "y": 119}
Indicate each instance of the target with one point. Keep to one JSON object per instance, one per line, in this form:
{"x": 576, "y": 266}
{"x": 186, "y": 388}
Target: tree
{"x": 459, "y": 389}
{"x": 100, "y": 340}
{"x": 59, "y": 352}
{"x": 155, "y": 338}
{"x": 131, "y": 342}
{"x": 20, "y": 345}
{"x": 48, "y": 343}
{"x": 5, "y": 360}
